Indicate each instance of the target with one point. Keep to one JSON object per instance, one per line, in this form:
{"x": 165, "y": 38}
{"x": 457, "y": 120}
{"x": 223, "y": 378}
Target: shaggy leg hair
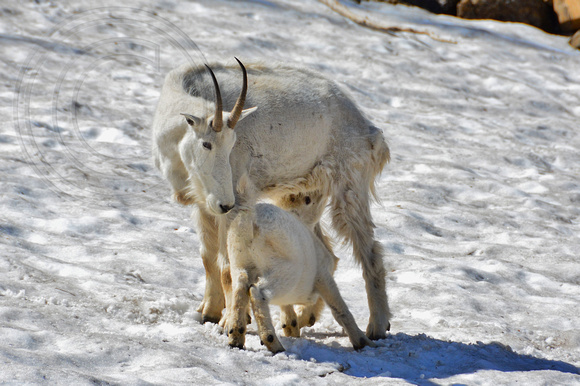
{"x": 351, "y": 218}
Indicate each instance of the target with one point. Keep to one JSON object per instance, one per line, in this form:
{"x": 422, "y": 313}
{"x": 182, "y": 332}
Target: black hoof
{"x": 362, "y": 343}
{"x": 205, "y": 319}
{"x": 377, "y": 336}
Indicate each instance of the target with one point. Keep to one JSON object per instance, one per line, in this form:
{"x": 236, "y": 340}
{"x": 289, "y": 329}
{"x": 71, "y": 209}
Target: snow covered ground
{"x": 100, "y": 274}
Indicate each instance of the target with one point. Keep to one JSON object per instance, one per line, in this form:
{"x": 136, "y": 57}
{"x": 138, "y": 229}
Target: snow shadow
{"x": 421, "y": 360}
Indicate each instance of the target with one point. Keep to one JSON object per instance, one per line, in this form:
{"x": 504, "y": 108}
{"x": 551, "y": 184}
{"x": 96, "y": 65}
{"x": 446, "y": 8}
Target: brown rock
{"x": 429, "y": 5}
{"x": 538, "y": 13}
{"x": 436, "y": 6}
{"x": 575, "y": 40}
{"x": 568, "y": 12}
{"x": 449, "y": 6}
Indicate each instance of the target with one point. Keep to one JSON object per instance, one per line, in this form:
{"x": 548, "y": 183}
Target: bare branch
{"x": 365, "y": 22}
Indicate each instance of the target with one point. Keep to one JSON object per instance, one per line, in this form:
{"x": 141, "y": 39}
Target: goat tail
{"x": 380, "y": 156}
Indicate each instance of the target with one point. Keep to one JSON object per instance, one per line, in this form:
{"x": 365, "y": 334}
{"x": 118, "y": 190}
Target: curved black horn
{"x": 237, "y": 110}
{"x": 218, "y": 119}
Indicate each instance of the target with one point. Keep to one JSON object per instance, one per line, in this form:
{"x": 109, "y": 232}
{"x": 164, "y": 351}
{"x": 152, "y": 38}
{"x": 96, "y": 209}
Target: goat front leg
{"x": 226, "y": 280}
{"x": 236, "y": 324}
{"x": 213, "y": 299}
{"x": 225, "y": 270}
{"x": 289, "y": 321}
{"x": 262, "y": 314}
{"x": 326, "y": 286}
{"x": 234, "y": 244}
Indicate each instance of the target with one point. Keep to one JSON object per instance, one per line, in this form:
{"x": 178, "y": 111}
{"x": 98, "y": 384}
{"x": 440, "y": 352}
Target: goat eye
{"x": 307, "y": 200}
{"x": 207, "y": 145}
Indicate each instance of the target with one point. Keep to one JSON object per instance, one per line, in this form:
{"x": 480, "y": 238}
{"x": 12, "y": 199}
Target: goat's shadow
{"x": 419, "y": 359}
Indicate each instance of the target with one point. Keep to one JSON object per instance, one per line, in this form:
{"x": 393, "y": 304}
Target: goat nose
{"x": 226, "y": 208}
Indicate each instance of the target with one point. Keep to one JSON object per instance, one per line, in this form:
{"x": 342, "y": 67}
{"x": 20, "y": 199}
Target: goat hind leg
{"x": 308, "y": 315}
{"x": 289, "y": 321}
{"x": 374, "y": 275}
{"x": 328, "y": 290}
{"x": 262, "y": 314}
{"x": 352, "y": 220}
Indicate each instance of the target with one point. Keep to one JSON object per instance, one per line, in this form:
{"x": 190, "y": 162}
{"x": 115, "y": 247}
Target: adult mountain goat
{"x": 301, "y": 134}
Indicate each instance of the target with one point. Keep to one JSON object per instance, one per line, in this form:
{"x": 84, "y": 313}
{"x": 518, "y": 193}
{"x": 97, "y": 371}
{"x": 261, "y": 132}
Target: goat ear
{"x": 192, "y": 120}
{"x": 247, "y": 112}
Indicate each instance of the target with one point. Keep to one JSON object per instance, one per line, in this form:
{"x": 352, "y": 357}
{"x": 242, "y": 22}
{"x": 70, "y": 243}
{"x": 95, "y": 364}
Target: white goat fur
{"x": 305, "y": 136}
{"x": 275, "y": 258}
{"x": 308, "y": 208}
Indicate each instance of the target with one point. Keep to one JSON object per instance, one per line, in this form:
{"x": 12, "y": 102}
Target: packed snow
{"x": 100, "y": 273}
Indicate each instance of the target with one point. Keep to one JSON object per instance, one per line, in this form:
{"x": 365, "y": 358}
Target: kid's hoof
{"x": 278, "y": 351}
{"x": 272, "y": 344}
{"x": 240, "y": 346}
{"x": 236, "y": 337}
{"x": 233, "y": 342}
{"x": 292, "y": 329}
{"x": 276, "y": 348}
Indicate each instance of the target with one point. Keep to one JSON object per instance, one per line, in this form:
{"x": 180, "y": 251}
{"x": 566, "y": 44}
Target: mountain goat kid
{"x": 275, "y": 258}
